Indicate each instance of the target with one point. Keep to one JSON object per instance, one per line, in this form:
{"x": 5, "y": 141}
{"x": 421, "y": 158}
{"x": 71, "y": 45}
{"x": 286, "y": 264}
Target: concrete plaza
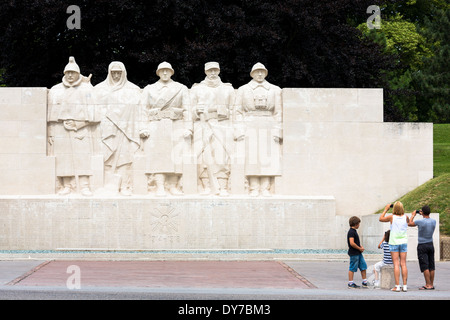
{"x": 203, "y": 280}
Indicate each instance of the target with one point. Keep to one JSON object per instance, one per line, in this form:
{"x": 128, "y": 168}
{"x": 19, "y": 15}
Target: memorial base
{"x": 170, "y": 223}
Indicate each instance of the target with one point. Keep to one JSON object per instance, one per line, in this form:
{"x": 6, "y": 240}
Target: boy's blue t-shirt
{"x": 426, "y": 228}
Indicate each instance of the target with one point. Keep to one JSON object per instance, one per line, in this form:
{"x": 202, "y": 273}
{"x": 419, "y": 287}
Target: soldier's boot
{"x": 223, "y": 184}
{"x": 160, "y": 180}
{"x": 206, "y": 186}
{"x": 254, "y": 186}
{"x": 67, "y": 187}
{"x": 174, "y": 184}
{"x": 84, "y": 186}
{"x": 265, "y": 186}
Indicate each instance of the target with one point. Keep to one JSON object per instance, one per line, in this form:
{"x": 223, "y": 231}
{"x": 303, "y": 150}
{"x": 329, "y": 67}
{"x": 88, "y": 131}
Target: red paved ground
{"x": 157, "y": 274}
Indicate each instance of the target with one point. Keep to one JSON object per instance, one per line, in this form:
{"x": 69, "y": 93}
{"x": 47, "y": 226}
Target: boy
{"x": 387, "y": 258}
{"x": 355, "y": 251}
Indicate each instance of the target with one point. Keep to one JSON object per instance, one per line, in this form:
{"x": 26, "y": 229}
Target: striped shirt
{"x": 387, "y": 258}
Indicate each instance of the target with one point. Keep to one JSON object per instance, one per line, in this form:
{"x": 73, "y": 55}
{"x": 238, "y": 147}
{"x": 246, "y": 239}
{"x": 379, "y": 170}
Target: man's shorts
{"x": 357, "y": 262}
{"x": 398, "y": 247}
{"x": 425, "y": 254}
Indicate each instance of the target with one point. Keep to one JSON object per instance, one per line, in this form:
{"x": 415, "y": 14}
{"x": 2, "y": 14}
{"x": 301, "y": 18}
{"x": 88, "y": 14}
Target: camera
{"x": 418, "y": 212}
{"x": 392, "y": 205}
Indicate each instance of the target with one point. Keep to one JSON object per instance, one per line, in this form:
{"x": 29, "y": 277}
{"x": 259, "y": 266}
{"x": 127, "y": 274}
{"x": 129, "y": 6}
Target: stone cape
{"x": 117, "y": 137}
{"x": 120, "y": 108}
{"x": 72, "y": 148}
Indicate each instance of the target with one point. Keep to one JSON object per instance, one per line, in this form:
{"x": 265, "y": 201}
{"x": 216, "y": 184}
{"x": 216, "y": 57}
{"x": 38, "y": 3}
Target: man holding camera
{"x": 425, "y": 247}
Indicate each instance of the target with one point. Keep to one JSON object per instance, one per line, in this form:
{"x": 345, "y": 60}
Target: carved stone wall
{"x": 334, "y": 144}
{"x": 337, "y": 158}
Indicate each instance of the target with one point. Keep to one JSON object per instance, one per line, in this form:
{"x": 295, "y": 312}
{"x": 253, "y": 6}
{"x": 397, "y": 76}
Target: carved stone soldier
{"x": 259, "y": 106}
{"x": 212, "y": 101}
{"x": 168, "y": 131}
{"x": 71, "y": 117}
{"x": 119, "y": 99}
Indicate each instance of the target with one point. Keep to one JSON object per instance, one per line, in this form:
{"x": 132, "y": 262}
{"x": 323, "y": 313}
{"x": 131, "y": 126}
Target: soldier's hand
{"x": 144, "y": 134}
{"x": 278, "y": 139}
{"x": 187, "y": 133}
{"x": 70, "y": 125}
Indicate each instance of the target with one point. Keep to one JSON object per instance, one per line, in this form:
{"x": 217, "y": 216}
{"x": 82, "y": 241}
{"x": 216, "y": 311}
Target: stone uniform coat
{"x": 72, "y": 146}
{"x": 259, "y": 112}
{"x": 166, "y": 108}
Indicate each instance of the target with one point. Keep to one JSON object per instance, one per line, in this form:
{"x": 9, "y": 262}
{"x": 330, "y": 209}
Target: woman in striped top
{"x": 387, "y": 258}
{"x": 398, "y": 242}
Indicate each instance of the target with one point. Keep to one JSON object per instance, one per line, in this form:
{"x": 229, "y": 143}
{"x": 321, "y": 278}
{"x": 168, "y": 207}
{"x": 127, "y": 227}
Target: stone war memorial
{"x": 167, "y": 167}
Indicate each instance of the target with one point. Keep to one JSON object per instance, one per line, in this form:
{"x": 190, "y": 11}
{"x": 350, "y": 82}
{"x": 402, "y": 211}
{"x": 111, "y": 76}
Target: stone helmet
{"x": 72, "y": 66}
{"x": 258, "y": 66}
{"x": 164, "y": 65}
{"x": 212, "y": 65}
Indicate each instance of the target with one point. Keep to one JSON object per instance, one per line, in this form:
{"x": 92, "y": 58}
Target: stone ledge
{"x": 150, "y": 223}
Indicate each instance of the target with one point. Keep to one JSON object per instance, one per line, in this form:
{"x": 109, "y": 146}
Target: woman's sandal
{"x": 396, "y": 289}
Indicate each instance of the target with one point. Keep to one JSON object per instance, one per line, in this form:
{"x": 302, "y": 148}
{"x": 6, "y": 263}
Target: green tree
{"x": 401, "y": 39}
{"x": 413, "y": 31}
{"x": 415, "y": 11}
{"x": 433, "y": 78}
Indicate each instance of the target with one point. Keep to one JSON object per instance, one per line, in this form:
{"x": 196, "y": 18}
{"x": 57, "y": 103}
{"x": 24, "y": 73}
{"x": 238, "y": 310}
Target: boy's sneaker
{"x": 365, "y": 284}
{"x": 353, "y": 286}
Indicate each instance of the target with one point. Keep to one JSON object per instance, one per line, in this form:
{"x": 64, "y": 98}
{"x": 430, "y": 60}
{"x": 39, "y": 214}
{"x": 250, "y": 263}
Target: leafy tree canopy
{"x": 433, "y": 79}
{"x": 401, "y": 37}
{"x": 416, "y": 32}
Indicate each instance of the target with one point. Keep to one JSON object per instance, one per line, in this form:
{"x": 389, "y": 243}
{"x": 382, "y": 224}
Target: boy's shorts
{"x": 357, "y": 262}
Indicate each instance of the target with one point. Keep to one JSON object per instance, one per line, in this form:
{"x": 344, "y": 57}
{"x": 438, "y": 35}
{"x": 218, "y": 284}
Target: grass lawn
{"x": 435, "y": 193}
{"x": 441, "y": 142}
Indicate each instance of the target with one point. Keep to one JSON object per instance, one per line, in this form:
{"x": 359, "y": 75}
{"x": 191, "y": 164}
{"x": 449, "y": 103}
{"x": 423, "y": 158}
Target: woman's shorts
{"x": 357, "y": 262}
{"x": 398, "y": 247}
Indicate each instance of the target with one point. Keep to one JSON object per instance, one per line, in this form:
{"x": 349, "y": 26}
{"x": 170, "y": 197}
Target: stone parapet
{"x": 145, "y": 223}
